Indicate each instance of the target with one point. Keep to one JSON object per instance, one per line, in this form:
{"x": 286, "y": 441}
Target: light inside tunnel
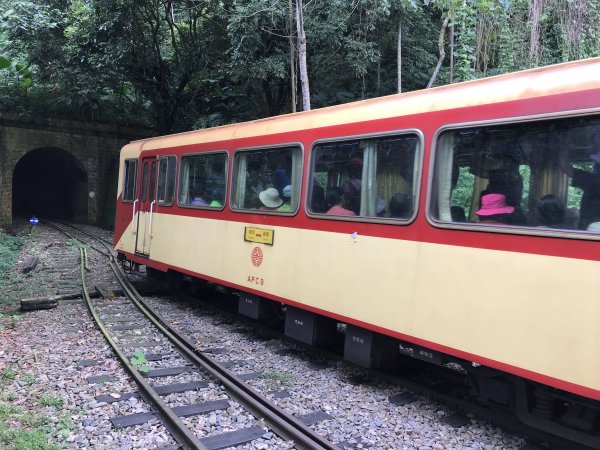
{"x": 50, "y": 182}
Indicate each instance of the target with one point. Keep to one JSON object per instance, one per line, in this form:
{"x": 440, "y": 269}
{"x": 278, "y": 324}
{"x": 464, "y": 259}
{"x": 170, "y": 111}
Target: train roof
{"x": 561, "y": 78}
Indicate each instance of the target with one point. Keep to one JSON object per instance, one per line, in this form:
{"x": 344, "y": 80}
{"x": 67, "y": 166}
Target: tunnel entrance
{"x": 50, "y": 182}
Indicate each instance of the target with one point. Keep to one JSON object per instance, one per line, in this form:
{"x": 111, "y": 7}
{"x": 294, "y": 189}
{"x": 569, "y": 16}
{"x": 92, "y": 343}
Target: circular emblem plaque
{"x": 257, "y": 256}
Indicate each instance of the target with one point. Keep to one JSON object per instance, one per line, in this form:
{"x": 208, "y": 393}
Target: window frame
{"x": 493, "y": 228}
{"x": 160, "y": 158}
{"x": 297, "y": 144}
{"x": 135, "y": 182}
{"x": 178, "y": 180}
{"x": 418, "y": 177}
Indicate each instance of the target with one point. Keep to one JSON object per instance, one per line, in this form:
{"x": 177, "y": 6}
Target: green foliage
{"x": 466, "y": 42}
{"x": 27, "y": 378}
{"x": 280, "y": 377}
{"x": 7, "y": 375}
{"x": 19, "y": 429}
{"x": 75, "y": 245}
{"x": 48, "y": 400}
{"x": 276, "y": 380}
{"x": 574, "y": 194}
{"x": 8, "y": 396}
{"x": 462, "y": 195}
{"x": 181, "y": 65}
{"x": 9, "y": 251}
{"x": 140, "y": 362}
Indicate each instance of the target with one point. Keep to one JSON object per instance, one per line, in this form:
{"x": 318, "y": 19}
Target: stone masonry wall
{"x": 95, "y": 146}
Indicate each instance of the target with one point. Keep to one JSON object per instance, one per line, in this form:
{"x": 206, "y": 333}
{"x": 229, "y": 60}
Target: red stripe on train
{"x": 420, "y": 230}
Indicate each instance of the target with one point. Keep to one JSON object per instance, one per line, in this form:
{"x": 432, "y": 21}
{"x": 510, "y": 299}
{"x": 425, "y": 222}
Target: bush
{"x": 9, "y": 250}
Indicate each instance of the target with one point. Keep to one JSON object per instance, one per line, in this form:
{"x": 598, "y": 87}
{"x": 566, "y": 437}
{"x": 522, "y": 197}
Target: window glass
{"x": 543, "y": 174}
{"x": 167, "y": 169}
{"x": 268, "y": 179}
{"x": 202, "y": 180}
{"x": 130, "y": 179}
{"x": 152, "y": 182}
{"x": 371, "y": 177}
{"x": 144, "y": 182}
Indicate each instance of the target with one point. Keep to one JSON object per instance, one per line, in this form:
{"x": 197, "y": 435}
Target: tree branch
{"x": 442, "y": 52}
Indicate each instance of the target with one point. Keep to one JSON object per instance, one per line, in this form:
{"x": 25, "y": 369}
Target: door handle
{"x": 151, "y": 210}
{"x": 133, "y": 217}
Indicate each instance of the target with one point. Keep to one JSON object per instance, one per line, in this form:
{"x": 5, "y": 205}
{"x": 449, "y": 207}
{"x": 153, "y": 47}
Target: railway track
{"x": 418, "y": 379}
{"x": 117, "y": 318}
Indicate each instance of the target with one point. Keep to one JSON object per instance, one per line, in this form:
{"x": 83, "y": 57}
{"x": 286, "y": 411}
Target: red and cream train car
{"x": 461, "y": 221}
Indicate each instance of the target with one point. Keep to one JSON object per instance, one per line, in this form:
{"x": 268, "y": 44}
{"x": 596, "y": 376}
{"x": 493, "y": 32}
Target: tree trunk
{"x": 302, "y": 56}
{"x": 399, "y": 56}
{"x": 293, "y": 81}
{"x": 535, "y": 12}
{"x": 451, "y": 39}
{"x": 442, "y": 53}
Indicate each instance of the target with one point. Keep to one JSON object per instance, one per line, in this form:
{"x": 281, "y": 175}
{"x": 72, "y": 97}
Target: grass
{"x": 21, "y": 430}
{"x": 7, "y": 375}
{"x": 10, "y": 247}
{"x": 13, "y": 319}
{"x": 48, "y": 400}
{"x": 75, "y": 245}
{"x": 8, "y": 396}
{"x": 281, "y": 377}
{"x": 27, "y": 378}
{"x": 24, "y": 429}
{"x": 275, "y": 380}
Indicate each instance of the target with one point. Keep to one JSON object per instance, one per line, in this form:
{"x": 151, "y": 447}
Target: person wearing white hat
{"x": 270, "y": 199}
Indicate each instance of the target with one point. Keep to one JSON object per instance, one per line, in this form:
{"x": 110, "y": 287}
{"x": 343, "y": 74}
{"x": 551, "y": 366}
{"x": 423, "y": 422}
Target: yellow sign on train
{"x": 259, "y": 235}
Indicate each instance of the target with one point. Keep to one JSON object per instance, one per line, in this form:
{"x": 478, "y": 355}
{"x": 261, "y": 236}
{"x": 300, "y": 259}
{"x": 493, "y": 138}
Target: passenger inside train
{"x": 202, "y": 179}
{"x": 400, "y": 206}
{"x": 216, "y": 198}
{"x": 547, "y": 170}
{"x": 334, "y": 200}
{"x": 494, "y": 210}
{"x": 270, "y": 200}
{"x": 286, "y": 196}
{"x": 352, "y": 186}
{"x": 550, "y": 212}
{"x": 369, "y": 172}
{"x": 260, "y": 173}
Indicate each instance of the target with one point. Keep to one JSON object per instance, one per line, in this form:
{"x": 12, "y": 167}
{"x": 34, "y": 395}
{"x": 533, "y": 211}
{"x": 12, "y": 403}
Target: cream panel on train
{"x": 478, "y": 301}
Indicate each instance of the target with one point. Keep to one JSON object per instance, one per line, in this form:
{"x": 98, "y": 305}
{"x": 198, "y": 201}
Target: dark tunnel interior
{"x": 50, "y": 182}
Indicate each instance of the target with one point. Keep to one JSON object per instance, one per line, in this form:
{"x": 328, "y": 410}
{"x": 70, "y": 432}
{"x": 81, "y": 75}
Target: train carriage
{"x": 460, "y": 221}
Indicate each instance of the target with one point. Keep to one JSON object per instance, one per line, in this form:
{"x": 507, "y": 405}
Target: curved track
{"x": 283, "y": 424}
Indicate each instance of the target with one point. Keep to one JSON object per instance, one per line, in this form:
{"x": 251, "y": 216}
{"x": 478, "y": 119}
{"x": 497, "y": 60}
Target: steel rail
{"x": 283, "y": 423}
{"x": 499, "y": 418}
{"x": 184, "y": 437}
{"x": 105, "y": 242}
{"x": 56, "y": 227}
{"x": 286, "y": 425}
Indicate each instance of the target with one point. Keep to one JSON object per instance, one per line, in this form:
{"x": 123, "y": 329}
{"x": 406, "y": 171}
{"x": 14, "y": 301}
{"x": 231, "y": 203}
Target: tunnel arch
{"x": 50, "y": 182}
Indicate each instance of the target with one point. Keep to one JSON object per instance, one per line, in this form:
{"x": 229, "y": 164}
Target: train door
{"x": 147, "y": 206}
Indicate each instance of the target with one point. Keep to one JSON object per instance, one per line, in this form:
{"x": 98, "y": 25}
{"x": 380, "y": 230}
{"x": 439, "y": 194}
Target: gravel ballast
{"x": 54, "y": 353}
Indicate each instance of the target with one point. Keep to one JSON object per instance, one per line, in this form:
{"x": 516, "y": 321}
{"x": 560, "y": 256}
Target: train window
{"x": 366, "y": 177}
{"x": 202, "y": 180}
{"x": 130, "y": 179}
{"x": 152, "y": 181}
{"x": 542, "y": 174}
{"x": 144, "y": 182}
{"x": 167, "y": 170}
{"x": 268, "y": 179}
